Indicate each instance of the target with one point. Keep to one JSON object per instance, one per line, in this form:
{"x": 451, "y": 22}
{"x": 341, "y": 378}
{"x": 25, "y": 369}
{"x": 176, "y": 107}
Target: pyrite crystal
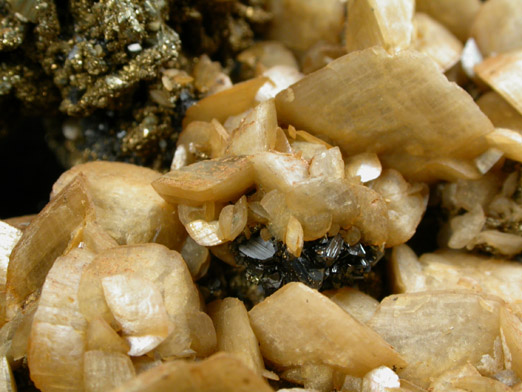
{"x": 94, "y": 69}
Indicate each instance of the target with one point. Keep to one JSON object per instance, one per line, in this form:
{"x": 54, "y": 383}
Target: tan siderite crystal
{"x": 502, "y": 74}
{"x": 314, "y": 330}
{"x": 386, "y": 23}
{"x": 499, "y": 111}
{"x": 56, "y": 343}
{"x": 447, "y": 269}
{"x": 221, "y": 179}
{"x": 9, "y": 236}
{"x": 224, "y": 104}
{"x": 398, "y": 106}
{"x": 300, "y": 24}
{"x": 360, "y": 305}
{"x": 424, "y": 329}
{"x": 234, "y": 333}
{"x": 497, "y": 26}
{"x": 457, "y": 16}
{"x": 166, "y": 270}
{"x": 221, "y": 372}
{"x": 125, "y": 203}
{"x": 434, "y": 40}
{"x": 7, "y": 381}
{"x": 44, "y": 240}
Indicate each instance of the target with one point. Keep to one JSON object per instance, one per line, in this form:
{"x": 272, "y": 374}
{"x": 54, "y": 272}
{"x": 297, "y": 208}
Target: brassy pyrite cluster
{"x": 94, "y": 69}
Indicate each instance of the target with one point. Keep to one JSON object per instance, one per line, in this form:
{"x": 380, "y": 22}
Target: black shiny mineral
{"x": 265, "y": 266}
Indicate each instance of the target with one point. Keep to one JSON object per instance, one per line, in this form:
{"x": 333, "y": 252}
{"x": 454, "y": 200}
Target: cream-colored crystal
{"x": 281, "y": 76}
{"x": 257, "y": 131}
{"x": 156, "y": 264}
{"x": 406, "y": 205}
{"x": 105, "y": 370}
{"x": 126, "y": 205}
{"x": 226, "y": 103}
{"x": 43, "y": 241}
{"x": 267, "y": 54}
{"x": 315, "y": 329}
{"x": 511, "y": 325}
{"x": 233, "y": 219}
{"x": 507, "y": 244}
{"x": 223, "y": 179}
{"x": 7, "y": 381}
{"x": 198, "y": 140}
{"x": 278, "y": 171}
{"x": 313, "y": 376}
{"x": 294, "y": 236}
{"x": 138, "y": 308}
{"x": 205, "y": 233}
{"x": 424, "y": 328}
{"x": 234, "y": 333}
{"x": 221, "y": 372}
{"x": 456, "y": 270}
{"x": 497, "y": 26}
{"x": 434, "y": 40}
{"x": 197, "y": 258}
{"x": 387, "y": 23}
{"x": 457, "y": 16}
{"x": 327, "y": 163}
{"x": 398, "y": 106}
{"x": 359, "y": 305}
{"x": 301, "y": 23}
{"x": 499, "y": 111}
{"x": 57, "y": 339}
{"x": 445, "y": 382}
{"x": 405, "y": 271}
{"x": 503, "y": 73}
{"x": 9, "y": 236}
{"x": 366, "y": 166}
{"x": 508, "y": 141}
{"x": 465, "y": 227}
{"x": 101, "y": 336}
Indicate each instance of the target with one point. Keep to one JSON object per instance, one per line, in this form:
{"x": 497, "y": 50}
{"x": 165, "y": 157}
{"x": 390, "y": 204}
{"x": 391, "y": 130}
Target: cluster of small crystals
{"x": 326, "y": 263}
{"x": 484, "y": 215}
{"x": 100, "y": 64}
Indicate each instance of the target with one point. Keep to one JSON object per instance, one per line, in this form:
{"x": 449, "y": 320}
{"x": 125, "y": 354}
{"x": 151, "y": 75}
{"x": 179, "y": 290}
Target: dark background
{"x": 28, "y": 167}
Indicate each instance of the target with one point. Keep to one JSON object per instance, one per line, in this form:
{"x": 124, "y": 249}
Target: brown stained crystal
{"x": 43, "y": 241}
{"x": 229, "y": 102}
{"x": 221, "y": 179}
{"x": 9, "y": 236}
